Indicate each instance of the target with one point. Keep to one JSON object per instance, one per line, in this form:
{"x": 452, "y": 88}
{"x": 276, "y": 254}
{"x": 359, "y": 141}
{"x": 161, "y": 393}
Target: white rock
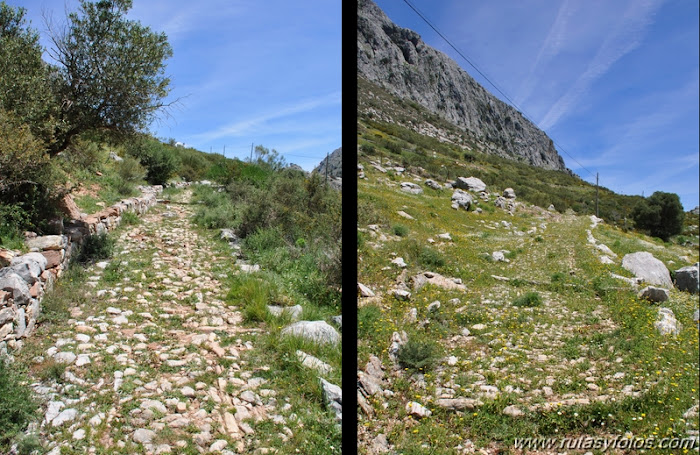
{"x": 417, "y": 410}
{"x": 143, "y": 436}
{"x": 399, "y": 262}
{"x": 513, "y": 411}
{"x": 67, "y": 415}
{"x": 65, "y": 357}
{"x": 83, "y": 359}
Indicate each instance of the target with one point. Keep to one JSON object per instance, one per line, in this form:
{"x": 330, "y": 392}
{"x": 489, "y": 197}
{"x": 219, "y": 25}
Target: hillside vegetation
{"x": 478, "y": 327}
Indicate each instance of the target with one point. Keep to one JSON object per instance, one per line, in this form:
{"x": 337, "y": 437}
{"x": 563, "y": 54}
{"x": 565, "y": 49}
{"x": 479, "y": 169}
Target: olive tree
{"x": 26, "y": 90}
{"x": 661, "y": 214}
{"x": 112, "y": 71}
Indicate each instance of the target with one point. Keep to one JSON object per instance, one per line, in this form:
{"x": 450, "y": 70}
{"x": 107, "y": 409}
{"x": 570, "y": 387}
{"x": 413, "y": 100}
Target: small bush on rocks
{"x": 400, "y": 230}
{"x": 96, "y": 247}
{"x": 418, "y": 355}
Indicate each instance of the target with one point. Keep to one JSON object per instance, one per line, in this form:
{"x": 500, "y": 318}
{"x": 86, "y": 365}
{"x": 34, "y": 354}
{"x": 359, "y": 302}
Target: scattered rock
{"x": 645, "y": 266}
{"x": 509, "y": 193}
{"x": 399, "y": 262}
{"x": 513, "y": 411}
{"x": 416, "y": 409}
{"x": 433, "y": 184}
{"x": 654, "y": 294}
{"x": 666, "y": 322}
{"x": 461, "y": 199}
{"x": 687, "y": 278}
{"x": 67, "y": 415}
{"x": 143, "y": 436}
{"x": 470, "y": 184}
{"x": 294, "y": 312}
{"x": 318, "y": 331}
{"x": 411, "y": 188}
{"x": 401, "y": 294}
{"x": 364, "y": 290}
{"x": 314, "y": 363}
{"x": 333, "y": 397}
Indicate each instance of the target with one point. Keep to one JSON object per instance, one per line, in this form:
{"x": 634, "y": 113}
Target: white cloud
{"x": 622, "y": 39}
{"x": 552, "y": 45}
{"x": 256, "y": 123}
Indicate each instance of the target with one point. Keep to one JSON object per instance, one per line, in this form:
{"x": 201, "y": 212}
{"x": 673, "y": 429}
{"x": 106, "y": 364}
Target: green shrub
{"x": 29, "y": 445}
{"x": 430, "y": 258}
{"x": 530, "y": 299}
{"x": 661, "y": 214}
{"x": 130, "y": 169}
{"x": 30, "y": 183}
{"x": 367, "y": 148}
{"x": 96, "y": 247}
{"x": 265, "y": 239}
{"x": 83, "y": 154}
{"x": 17, "y": 406}
{"x": 418, "y": 355}
{"x": 400, "y": 230}
{"x": 160, "y": 163}
{"x": 130, "y": 219}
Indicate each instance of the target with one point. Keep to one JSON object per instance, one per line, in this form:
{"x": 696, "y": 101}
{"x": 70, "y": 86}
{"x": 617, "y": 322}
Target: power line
{"x": 491, "y": 82}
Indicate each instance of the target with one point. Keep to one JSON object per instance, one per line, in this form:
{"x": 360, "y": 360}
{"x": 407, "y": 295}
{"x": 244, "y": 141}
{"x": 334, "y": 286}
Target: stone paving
{"x": 155, "y": 361}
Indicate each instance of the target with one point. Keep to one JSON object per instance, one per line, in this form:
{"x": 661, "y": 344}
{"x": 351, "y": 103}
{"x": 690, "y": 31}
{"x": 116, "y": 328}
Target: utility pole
{"x": 251, "y": 152}
{"x": 326, "y": 168}
{"x": 596, "y": 194}
{"x": 224, "y": 153}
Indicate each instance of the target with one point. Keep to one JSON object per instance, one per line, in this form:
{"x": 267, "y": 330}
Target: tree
{"x": 26, "y": 82}
{"x": 112, "y": 71}
{"x": 661, "y": 214}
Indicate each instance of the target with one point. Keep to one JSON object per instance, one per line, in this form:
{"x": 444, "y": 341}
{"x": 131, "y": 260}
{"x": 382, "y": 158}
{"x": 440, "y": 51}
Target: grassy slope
{"x": 587, "y": 329}
{"x": 388, "y": 121}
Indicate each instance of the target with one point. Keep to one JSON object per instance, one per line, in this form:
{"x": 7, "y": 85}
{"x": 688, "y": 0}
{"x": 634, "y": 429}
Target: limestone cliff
{"x": 398, "y": 61}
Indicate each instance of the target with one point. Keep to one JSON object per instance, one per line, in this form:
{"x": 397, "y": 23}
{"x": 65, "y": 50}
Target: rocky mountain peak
{"x": 397, "y": 60}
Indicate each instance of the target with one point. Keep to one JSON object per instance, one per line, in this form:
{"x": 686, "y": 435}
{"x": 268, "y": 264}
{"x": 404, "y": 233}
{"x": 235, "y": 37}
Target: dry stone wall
{"x": 25, "y": 278}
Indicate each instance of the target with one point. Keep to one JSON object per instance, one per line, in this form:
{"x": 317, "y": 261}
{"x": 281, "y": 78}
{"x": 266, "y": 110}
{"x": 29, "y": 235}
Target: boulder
{"x": 666, "y": 322}
{"x": 470, "y": 184}
{"x": 687, "y": 278}
{"x": 654, "y": 294}
{"x": 509, "y": 193}
{"x": 500, "y": 202}
{"x": 461, "y": 198}
{"x": 318, "y": 331}
{"x": 645, "y": 266}
{"x": 432, "y": 184}
{"x": 411, "y": 188}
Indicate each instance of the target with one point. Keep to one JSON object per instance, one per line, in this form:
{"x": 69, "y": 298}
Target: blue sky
{"x": 267, "y": 73}
{"x": 615, "y": 83}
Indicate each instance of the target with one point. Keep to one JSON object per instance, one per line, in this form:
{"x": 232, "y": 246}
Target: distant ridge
{"x": 334, "y": 163}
